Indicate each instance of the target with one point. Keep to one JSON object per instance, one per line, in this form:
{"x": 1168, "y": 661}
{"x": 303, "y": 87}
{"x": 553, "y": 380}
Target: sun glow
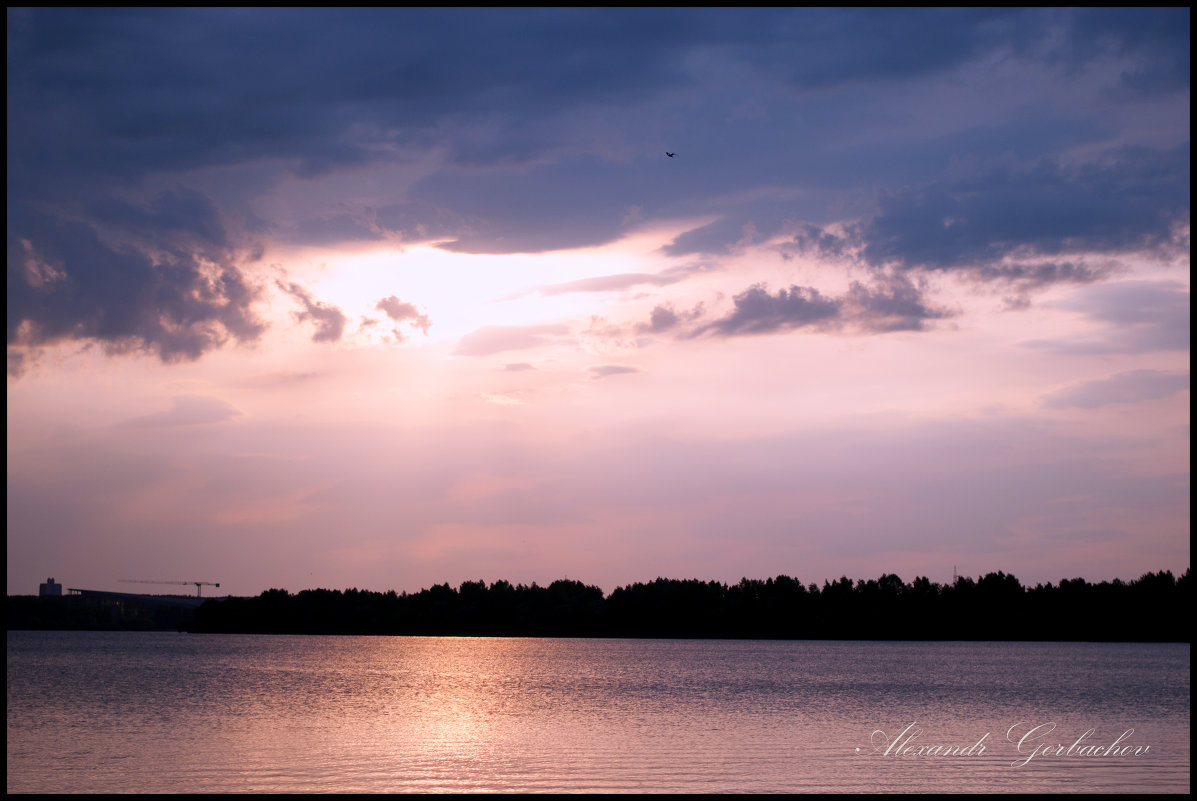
{"x": 462, "y": 292}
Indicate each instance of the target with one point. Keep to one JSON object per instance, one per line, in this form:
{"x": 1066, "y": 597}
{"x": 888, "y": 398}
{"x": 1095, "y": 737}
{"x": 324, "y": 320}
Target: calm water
{"x": 159, "y": 712}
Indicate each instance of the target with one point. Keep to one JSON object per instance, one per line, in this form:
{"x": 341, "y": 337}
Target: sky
{"x": 390, "y": 298}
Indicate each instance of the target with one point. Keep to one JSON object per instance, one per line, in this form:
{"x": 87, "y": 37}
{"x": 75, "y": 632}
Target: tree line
{"x": 993, "y": 607}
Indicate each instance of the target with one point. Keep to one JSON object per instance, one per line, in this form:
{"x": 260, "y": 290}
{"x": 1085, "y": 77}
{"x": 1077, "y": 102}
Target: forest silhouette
{"x": 993, "y": 607}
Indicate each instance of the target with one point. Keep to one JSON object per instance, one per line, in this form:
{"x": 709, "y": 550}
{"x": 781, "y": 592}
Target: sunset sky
{"x": 382, "y": 299}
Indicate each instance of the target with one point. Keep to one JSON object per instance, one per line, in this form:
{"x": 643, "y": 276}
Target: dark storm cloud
{"x": 328, "y": 319}
{"x": 182, "y": 88}
{"x": 880, "y": 40}
{"x": 1157, "y": 39}
{"x": 882, "y": 36}
{"x": 1129, "y": 387}
{"x": 273, "y": 67}
{"x": 183, "y": 216}
{"x": 1130, "y": 202}
{"x": 406, "y": 221}
{"x": 121, "y": 92}
{"x": 1126, "y": 200}
{"x": 539, "y": 129}
{"x": 543, "y": 207}
{"x": 332, "y": 230}
{"x": 164, "y": 294}
{"x": 100, "y": 99}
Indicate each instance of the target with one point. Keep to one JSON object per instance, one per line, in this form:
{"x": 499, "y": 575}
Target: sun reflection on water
{"x": 96, "y": 712}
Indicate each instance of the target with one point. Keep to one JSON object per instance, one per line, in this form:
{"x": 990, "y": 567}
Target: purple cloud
{"x": 328, "y": 319}
{"x": 606, "y": 370}
{"x": 1129, "y": 387}
{"x": 400, "y": 312}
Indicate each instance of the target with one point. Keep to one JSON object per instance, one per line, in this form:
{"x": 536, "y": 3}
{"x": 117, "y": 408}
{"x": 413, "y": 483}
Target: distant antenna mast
{"x": 953, "y": 575}
{"x": 198, "y": 584}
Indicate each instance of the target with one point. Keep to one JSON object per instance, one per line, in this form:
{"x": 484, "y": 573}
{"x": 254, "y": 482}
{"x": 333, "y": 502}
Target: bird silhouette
{"x": 671, "y": 155}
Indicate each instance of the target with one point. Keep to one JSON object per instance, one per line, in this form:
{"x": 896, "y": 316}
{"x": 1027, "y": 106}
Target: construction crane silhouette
{"x": 198, "y": 584}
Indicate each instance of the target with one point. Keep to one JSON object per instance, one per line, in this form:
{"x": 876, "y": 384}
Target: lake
{"x": 102, "y": 712}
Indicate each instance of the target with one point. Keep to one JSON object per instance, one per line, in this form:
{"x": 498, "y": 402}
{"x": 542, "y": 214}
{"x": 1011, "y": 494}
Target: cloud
{"x": 758, "y": 312}
{"x": 623, "y": 281}
{"x": 611, "y": 283}
{"x": 1135, "y": 303}
{"x": 1129, "y": 387}
{"x": 893, "y": 304}
{"x": 414, "y": 76}
{"x": 147, "y": 148}
{"x": 1027, "y": 277}
{"x": 816, "y": 241}
{"x": 726, "y": 234}
{"x": 1128, "y": 201}
{"x": 177, "y": 295}
{"x": 499, "y": 338}
{"x": 399, "y": 311}
{"x": 180, "y": 216}
{"x": 187, "y": 410}
{"x": 881, "y": 43}
{"x": 517, "y": 367}
{"x": 18, "y": 362}
{"x": 363, "y": 83}
{"x": 328, "y": 319}
{"x": 563, "y": 202}
{"x": 605, "y": 370}
{"x": 1135, "y": 317}
{"x": 662, "y": 319}
{"x": 666, "y": 318}
{"x": 1156, "y": 45}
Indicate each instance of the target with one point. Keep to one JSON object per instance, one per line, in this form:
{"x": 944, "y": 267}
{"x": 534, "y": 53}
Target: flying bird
{"x": 671, "y": 155}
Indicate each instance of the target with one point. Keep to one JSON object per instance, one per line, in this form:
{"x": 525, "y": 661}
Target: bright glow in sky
{"x": 431, "y": 304}
{"x": 464, "y": 292}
